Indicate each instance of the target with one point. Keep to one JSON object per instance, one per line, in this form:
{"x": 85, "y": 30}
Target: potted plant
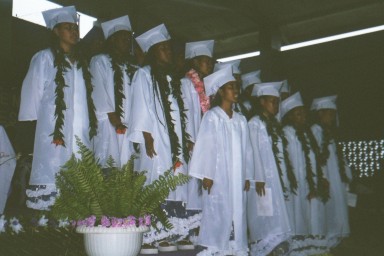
{"x": 111, "y": 210}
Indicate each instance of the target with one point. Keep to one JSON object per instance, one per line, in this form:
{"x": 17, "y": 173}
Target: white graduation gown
{"x": 336, "y": 208}
{"x": 223, "y": 154}
{"x": 274, "y": 229}
{"x": 192, "y": 103}
{"x": 147, "y": 115}
{"x": 7, "y": 167}
{"x": 38, "y": 103}
{"x": 107, "y": 142}
{"x": 301, "y": 205}
{"x": 309, "y": 215}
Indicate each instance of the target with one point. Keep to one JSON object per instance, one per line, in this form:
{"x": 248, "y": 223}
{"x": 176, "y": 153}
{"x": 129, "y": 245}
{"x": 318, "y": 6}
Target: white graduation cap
{"x": 328, "y": 102}
{"x": 267, "y": 89}
{"x": 153, "y": 36}
{"x": 250, "y": 78}
{"x": 214, "y": 81}
{"x": 285, "y": 88}
{"x": 235, "y": 64}
{"x": 118, "y": 24}
{"x": 200, "y": 48}
{"x": 59, "y": 15}
{"x": 290, "y": 103}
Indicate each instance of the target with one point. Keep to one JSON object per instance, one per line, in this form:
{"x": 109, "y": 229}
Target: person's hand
{"x": 310, "y": 196}
{"x": 260, "y": 188}
{"x": 121, "y": 129}
{"x": 190, "y": 146}
{"x": 247, "y": 185}
{"x": 149, "y": 145}
{"x": 207, "y": 184}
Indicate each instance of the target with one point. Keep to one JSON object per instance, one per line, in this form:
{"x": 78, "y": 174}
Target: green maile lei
{"x": 62, "y": 66}
{"x": 118, "y": 81}
{"x": 162, "y": 90}
{"x": 328, "y": 138}
{"x": 322, "y": 183}
{"x": 306, "y": 147}
{"x": 275, "y": 131}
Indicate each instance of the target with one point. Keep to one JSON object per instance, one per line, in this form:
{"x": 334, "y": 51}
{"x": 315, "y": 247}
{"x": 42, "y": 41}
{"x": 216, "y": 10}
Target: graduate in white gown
{"x": 235, "y": 64}
{"x": 7, "y": 167}
{"x": 199, "y": 56}
{"x": 111, "y": 77}
{"x": 158, "y": 115}
{"x": 268, "y": 198}
{"x": 334, "y": 165}
{"x": 308, "y": 204}
{"x": 57, "y": 93}
{"x": 222, "y": 159}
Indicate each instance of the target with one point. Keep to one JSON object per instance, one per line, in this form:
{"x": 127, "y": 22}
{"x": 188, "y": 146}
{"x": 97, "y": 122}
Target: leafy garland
{"x": 301, "y": 136}
{"x": 275, "y": 131}
{"x": 118, "y": 81}
{"x": 62, "y": 65}
{"x": 161, "y": 86}
{"x": 91, "y": 106}
{"x": 322, "y": 183}
{"x": 328, "y": 138}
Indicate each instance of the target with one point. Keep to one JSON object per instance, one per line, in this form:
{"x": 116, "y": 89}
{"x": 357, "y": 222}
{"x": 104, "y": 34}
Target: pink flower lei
{"x": 199, "y": 87}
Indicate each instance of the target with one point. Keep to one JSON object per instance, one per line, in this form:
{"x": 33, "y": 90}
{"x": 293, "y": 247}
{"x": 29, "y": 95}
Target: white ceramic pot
{"x": 102, "y": 241}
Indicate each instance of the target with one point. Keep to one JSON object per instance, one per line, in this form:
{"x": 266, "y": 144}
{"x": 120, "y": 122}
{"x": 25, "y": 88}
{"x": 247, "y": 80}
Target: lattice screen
{"x": 364, "y": 157}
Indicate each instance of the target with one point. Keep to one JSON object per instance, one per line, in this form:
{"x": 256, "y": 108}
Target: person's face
{"x": 270, "y": 104}
{"x": 298, "y": 116}
{"x": 68, "y": 33}
{"x": 327, "y": 117}
{"x": 229, "y": 92}
{"x": 163, "y": 53}
{"x": 204, "y": 64}
{"x": 122, "y": 41}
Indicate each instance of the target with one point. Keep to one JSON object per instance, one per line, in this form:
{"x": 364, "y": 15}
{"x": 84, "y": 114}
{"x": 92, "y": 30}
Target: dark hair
{"x": 216, "y": 99}
{"x": 109, "y": 48}
{"x": 256, "y": 108}
{"x": 56, "y": 48}
{"x": 150, "y": 58}
{"x": 286, "y": 120}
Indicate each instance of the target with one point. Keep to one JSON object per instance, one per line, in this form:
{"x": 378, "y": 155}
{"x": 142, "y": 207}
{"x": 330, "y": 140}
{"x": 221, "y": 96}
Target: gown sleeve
{"x": 250, "y": 165}
{"x": 140, "y": 119}
{"x": 101, "y": 94}
{"x": 186, "y": 91}
{"x": 204, "y": 157}
{"x": 33, "y": 87}
{"x": 254, "y": 131}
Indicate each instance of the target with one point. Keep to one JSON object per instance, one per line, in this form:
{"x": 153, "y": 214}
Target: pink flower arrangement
{"x": 200, "y": 89}
{"x": 113, "y": 222}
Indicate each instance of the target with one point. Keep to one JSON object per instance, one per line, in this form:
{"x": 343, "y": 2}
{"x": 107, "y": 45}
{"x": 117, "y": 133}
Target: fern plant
{"x": 85, "y": 191}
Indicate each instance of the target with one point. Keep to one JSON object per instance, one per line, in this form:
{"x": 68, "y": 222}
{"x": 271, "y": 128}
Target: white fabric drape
{"x": 147, "y": 115}
{"x": 269, "y": 231}
{"x": 7, "y": 167}
{"x": 38, "y": 103}
{"x": 107, "y": 142}
{"x": 223, "y": 154}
